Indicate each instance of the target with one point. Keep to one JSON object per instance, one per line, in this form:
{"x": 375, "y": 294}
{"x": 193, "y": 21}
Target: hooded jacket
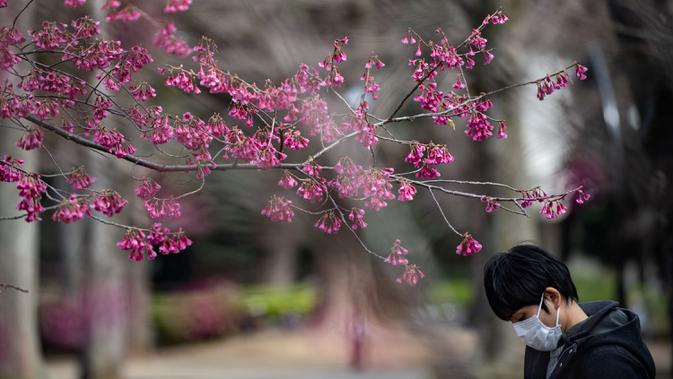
{"x": 608, "y": 344}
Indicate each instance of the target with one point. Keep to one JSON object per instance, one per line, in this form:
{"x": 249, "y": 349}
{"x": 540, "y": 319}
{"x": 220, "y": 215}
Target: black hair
{"x": 519, "y": 277}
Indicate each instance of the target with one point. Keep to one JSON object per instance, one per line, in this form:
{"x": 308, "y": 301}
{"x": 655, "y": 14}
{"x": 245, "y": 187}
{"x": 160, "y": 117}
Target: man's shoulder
{"x": 609, "y": 361}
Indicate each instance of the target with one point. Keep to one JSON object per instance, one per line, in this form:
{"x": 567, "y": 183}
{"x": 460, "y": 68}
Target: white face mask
{"x": 538, "y": 335}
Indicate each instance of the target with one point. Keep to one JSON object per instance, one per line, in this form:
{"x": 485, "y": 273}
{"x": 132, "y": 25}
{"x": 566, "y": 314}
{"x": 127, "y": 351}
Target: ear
{"x": 553, "y": 295}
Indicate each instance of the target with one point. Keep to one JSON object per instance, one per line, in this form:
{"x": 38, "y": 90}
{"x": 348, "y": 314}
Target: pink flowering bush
{"x": 259, "y": 127}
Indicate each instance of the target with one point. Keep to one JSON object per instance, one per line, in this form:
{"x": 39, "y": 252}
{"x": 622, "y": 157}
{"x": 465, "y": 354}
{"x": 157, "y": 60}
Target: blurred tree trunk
{"x": 105, "y": 275}
{"x": 20, "y": 352}
{"x": 104, "y": 293}
{"x": 139, "y": 320}
{"x": 280, "y": 242}
{"x": 20, "y": 355}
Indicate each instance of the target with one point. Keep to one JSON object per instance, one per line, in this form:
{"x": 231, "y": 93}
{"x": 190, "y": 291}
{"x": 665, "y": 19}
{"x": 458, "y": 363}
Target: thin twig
{"x": 442, "y": 212}
{"x": 19, "y": 14}
{"x": 3, "y": 286}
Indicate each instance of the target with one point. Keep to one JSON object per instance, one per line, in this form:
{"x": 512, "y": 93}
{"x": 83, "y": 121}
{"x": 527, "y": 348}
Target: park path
{"x": 273, "y": 355}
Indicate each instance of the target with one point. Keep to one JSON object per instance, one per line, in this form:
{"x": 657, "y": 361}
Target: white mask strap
{"x": 539, "y": 307}
{"x": 558, "y": 313}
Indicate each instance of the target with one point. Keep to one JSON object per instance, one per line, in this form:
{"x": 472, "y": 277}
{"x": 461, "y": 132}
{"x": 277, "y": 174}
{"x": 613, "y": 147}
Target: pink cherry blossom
{"x": 175, "y": 6}
{"x": 162, "y": 208}
{"x": 428, "y": 172}
{"x": 31, "y": 188}
{"x": 136, "y": 243}
{"x": 10, "y": 169}
{"x": 287, "y": 181}
{"x": 548, "y": 85}
{"x": 312, "y": 169}
{"x": 406, "y": 192}
{"x": 168, "y": 243}
{"x": 415, "y": 156}
{"x": 377, "y": 188}
{"x": 502, "y": 127}
{"x": 117, "y": 12}
{"x": 71, "y": 210}
{"x": 438, "y": 154}
{"x": 147, "y": 189}
{"x": 294, "y": 140}
{"x": 53, "y": 35}
{"x": 142, "y": 91}
{"x": 329, "y": 223}
{"x": 479, "y": 127}
{"x": 312, "y": 191}
{"x": 114, "y": 141}
{"x": 397, "y": 253}
{"x": 74, "y": 3}
{"x": 477, "y": 40}
{"x": 279, "y": 209}
{"x": 553, "y": 209}
{"x": 459, "y": 83}
{"x": 581, "y": 72}
{"x": 9, "y": 37}
{"x": 158, "y": 130}
{"x": 167, "y": 40}
{"x": 356, "y": 216}
{"x": 498, "y": 18}
{"x": 468, "y": 246}
{"x": 488, "y": 57}
{"x": 32, "y": 139}
{"x": 217, "y": 126}
{"x": 183, "y": 82}
{"x": 582, "y": 197}
{"x": 411, "y": 276}
{"x": 78, "y": 179}
{"x": 491, "y": 204}
{"x": 109, "y": 203}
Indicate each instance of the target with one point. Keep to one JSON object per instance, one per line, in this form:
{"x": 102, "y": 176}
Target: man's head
{"x": 516, "y": 281}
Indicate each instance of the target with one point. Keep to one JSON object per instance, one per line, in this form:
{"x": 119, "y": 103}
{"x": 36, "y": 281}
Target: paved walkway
{"x": 273, "y": 355}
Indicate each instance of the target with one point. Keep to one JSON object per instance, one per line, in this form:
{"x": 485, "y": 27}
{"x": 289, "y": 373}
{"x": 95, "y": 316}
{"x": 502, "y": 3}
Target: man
{"x": 564, "y": 339}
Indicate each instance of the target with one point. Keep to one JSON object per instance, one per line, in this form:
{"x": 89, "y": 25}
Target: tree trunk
{"x": 280, "y": 243}
{"x": 20, "y": 355}
{"x": 105, "y": 293}
{"x": 20, "y": 352}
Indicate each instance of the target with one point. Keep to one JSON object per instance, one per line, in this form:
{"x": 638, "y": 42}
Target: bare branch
{"x": 3, "y": 286}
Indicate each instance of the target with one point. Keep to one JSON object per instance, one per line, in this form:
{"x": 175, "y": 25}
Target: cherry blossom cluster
{"x": 263, "y": 126}
{"x": 141, "y": 244}
{"x": 491, "y": 204}
{"x": 279, "y": 209}
{"x": 167, "y": 40}
{"x": 31, "y": 188}
{"x": 32, "y": 139}
{"x": 109, "y": 203}
{"x": 10, "y": 169}
{"x": 468, "y": 246}
{"x": 582, "y": 197}
{"x": 162, "y": 208}
{"x": 118, "y": 10}
{"x": 175, "y": 6}
{"x": 397, "y": 257}
{"x": 78, "y": 179}
{"x": 72, "y": 209}
{"x": 427, "y": 157}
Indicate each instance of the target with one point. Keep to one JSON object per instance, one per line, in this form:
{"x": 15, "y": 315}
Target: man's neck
{"x": 575, "y": 315}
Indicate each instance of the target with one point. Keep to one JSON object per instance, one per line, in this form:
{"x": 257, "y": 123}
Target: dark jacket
{"x": 606, "y": 345}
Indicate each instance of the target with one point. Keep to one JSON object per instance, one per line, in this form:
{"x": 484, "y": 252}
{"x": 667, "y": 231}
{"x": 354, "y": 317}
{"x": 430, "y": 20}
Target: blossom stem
{"x": 441, "y": 211}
